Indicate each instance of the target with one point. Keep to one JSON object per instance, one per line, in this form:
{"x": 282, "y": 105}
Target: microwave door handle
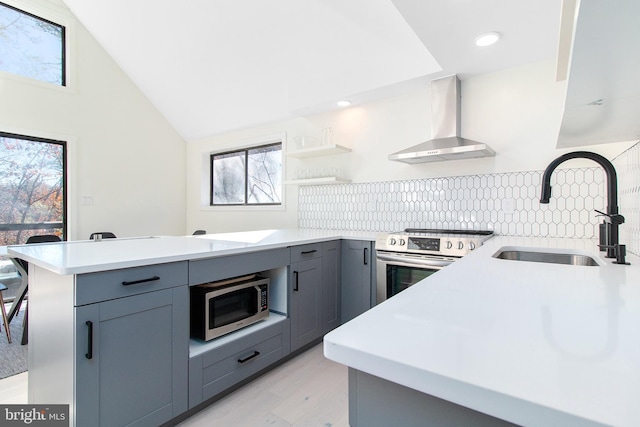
{"x": 259, "y": 306}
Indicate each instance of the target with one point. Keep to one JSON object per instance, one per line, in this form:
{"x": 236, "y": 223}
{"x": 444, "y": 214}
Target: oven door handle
{"x": 415, "y": 262}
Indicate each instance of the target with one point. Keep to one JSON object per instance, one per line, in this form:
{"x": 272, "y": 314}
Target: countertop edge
{"x": 487, "y": 401}
{"x": 354, "y": 345}
{"x": 303, "y": 237}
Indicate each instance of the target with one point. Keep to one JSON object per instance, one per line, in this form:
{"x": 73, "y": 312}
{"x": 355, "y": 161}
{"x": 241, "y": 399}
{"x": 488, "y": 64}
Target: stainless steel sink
{"x": 546, "y": 257}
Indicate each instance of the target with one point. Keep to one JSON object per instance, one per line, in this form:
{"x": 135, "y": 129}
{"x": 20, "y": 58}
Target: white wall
{"x": 122, "y": 152}
{"x": 517, "y": 112}
{"x": 221, "y": 219}
{"x": 126, "y": 157}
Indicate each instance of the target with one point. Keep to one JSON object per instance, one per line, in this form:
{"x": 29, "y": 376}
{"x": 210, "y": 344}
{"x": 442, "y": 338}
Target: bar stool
{"x": 3, "y": 288}
{"x": 23, "y": 267}
{"x": 102, "y": 235}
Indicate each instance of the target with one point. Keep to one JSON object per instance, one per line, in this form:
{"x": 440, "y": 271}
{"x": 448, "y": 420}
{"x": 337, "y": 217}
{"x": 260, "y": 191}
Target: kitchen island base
{"x": 376, "y": 402}
{"x": 117, "y": 355}
{"x": 109, "y": 322}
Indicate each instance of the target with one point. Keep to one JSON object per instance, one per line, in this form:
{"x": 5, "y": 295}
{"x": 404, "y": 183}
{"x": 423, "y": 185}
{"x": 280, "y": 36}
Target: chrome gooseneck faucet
{"x": 609, "y": 227}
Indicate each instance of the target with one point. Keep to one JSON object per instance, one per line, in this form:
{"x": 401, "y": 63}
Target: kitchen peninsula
{"x": 489, "y": 339}
{"x": 497, "y": 339}
{"x": 109, "y": 320}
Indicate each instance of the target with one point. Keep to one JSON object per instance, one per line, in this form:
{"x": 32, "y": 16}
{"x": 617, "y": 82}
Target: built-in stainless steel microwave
{"x": 219, "y": 308}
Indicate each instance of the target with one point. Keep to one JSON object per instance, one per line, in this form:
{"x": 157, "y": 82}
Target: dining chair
{"x": 23, "y": 267}
{"x": 3, "y": 288}
{"x": 99, "y": 235}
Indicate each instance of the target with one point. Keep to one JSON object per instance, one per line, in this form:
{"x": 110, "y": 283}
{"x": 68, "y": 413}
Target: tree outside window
{"x": 31, "y": 46}
{"x": 250, "y": 176}
{"x": 32, "y": 188}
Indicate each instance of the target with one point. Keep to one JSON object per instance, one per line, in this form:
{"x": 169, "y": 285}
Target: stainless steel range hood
{"x": 446, "y": 143}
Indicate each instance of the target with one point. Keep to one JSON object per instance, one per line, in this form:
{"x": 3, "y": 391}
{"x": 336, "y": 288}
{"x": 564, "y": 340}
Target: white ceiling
{"x": 603, "y": 94}
{"x": 211, "y": 66}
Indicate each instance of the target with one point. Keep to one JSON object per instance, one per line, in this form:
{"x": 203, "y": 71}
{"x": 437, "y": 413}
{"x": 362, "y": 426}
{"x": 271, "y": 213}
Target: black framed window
{"x": 33, "y": 183}
{"x": 31, "y": 46}
{"x": 251, "y": 176}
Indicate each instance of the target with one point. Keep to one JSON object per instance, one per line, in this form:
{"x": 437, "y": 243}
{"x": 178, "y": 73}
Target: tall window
{"x": 251, "y": 176}
{"x": 32, "y": 188}
{"x": 31, "y": 46}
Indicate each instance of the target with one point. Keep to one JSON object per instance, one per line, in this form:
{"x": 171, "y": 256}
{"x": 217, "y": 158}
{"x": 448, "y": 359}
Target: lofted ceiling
{"x": 212, "y": 66}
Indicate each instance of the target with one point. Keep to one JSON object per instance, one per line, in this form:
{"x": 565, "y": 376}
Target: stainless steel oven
{"x": 405, "y": 258}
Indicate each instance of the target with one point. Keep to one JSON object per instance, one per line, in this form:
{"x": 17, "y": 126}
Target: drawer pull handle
{"x": 309, "y": 252}
{"x": 135, "y": 282}
{"x": 89, "y": 353}
{"x": 295, "y": 283}
{"x": 246, "y": 359}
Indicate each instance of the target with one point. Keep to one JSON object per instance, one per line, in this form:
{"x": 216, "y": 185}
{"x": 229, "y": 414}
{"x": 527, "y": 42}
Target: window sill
{"x": 243, "y": 208}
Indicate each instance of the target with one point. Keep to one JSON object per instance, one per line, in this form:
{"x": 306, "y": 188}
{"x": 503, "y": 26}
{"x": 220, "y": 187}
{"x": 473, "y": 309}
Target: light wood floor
{"x": 306, "y": 391}
{"x": 13, "y": 389}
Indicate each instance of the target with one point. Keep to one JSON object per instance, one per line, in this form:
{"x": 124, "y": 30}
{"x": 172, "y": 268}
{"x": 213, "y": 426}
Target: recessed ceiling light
{"x": 487, "y": 39}
{"x": 344, "y": 103}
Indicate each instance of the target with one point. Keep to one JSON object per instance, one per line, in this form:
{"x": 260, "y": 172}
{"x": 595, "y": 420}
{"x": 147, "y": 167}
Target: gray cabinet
{"x": 220, "y": 268}
{"x": 376, "y": 402}
{"x": 227, "y": 361}
{"x": 220, "y": 364}
{"x": 314, "y": 291}
{"x": 357, "y": 278}
{"x": 115, "y": 346}
{"x": 305, "y": 294}
{"x": 331, "y": 265}
{"x": 131, "y": 352}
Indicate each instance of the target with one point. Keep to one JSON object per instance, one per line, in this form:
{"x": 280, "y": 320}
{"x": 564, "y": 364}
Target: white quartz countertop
{"x": 75, "y": 257}
{"x": 533, "y": 343}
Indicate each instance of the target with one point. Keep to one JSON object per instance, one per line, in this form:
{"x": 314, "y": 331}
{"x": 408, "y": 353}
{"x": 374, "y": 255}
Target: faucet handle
{"x": 617, "y": 219}
{"x": 614, "y": 218}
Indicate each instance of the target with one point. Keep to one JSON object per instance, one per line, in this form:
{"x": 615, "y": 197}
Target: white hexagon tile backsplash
{"x": 507, "y": 203}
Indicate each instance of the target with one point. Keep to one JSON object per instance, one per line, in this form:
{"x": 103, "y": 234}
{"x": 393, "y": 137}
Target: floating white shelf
{"x": 320, "y": 150}
{"x": 319, "y": 181}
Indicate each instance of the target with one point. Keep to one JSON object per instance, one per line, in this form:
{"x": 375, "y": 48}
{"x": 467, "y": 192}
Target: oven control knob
{"x": 449, "y": 244}
{"x": 392, "y": 241}
{"x": 472, "y": 246}
{"x": 402, "y": 242}
{"x": 460, "y": 245}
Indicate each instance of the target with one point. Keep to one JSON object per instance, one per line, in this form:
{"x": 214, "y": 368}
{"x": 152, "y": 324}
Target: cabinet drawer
{"x": 304, "y": 252}
{"x": 212, "y": 269}
{"x": 107, "y": 285}
{"x": 215, "y": 370}
{"x": 235, "y": 368}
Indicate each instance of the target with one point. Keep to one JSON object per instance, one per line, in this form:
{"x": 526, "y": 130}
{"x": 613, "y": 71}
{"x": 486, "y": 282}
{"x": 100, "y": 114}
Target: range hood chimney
{"x": 446, "y": 143}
